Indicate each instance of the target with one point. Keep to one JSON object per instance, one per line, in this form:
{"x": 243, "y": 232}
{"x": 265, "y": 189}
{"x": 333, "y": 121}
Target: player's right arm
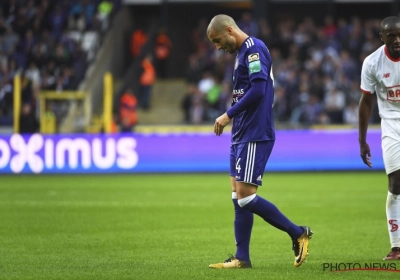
{"x": 368, "y": 82}
{"x": 364, "y": 114}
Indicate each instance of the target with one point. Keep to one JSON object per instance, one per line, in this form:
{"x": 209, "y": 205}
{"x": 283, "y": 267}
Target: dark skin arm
{"x": 364, "y": 115}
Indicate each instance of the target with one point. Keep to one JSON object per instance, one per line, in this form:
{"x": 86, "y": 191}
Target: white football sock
{"x": 234, "y": 195}
{"x": 243, "y": 201}
{"x": 393, "y": 218}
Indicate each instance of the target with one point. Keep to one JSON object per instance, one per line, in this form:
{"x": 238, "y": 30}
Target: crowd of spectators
{"x": 50, "y": 44}
{"x": 316, "y": 69}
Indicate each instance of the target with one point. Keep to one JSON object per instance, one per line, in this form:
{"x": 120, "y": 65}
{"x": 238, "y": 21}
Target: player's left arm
{"x": 259, "y": 67}
{"x": 254, "y": 94}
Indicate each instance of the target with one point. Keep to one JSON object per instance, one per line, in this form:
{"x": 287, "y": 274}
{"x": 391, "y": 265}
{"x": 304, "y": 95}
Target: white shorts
{"x": 391, "y": 144}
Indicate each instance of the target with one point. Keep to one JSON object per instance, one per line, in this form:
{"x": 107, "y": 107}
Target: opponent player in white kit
{"x": 381, "y": 75}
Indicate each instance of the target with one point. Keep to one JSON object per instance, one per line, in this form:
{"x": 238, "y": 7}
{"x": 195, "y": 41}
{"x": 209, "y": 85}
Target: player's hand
{"x": 365, "y": 154}
{"x": 220, "y": 123}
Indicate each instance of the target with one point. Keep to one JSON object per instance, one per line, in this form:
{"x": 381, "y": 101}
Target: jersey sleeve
{"x": 258, "y": 61}
{"x": 368, "y": 80}
{"x": 254, "y": 94}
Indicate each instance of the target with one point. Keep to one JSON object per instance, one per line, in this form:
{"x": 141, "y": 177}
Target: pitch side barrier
{"x": 298, "y": 150}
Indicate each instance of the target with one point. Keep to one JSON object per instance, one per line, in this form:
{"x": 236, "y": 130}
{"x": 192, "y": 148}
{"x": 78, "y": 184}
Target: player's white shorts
{"x": 391, "y": 144}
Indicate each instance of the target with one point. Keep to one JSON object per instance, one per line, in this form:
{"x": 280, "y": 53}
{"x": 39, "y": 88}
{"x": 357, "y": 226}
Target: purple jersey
{"x": 253, "y": 118}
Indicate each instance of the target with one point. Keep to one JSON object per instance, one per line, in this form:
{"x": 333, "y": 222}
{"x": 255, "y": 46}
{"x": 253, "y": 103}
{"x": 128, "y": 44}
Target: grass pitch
{"x": 172, "y": 226}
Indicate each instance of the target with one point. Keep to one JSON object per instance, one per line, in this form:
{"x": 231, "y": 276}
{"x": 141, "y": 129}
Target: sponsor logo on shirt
{"x": 255, "y": 66}
{"x": 386, "y": 75}
{"x": 393, "y": 94}
{"x": 253, "y": 57}
{"x": 238, "y": 91}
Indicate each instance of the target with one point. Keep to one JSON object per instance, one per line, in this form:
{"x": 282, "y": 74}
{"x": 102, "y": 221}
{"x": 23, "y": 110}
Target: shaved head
{"x": 390, "y": 23}
{"x": 225, "y": 34}
{"x": 220, "y": 22}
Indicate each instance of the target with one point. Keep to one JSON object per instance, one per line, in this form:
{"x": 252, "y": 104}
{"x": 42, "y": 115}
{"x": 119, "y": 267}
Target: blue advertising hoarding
{"x": 299, "y": 150}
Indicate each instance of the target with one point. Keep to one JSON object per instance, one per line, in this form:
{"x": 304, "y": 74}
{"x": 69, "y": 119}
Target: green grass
{"x": 172, "y": 226}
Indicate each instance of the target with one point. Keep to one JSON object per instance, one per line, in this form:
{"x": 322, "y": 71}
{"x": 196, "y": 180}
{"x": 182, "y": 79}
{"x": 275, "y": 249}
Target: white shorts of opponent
{"x": 391, "y": 144}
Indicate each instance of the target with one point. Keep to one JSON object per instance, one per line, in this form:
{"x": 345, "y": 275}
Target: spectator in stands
{"x": 77, "y": 8}
{"x": 35, "y": 40}
{"x": 3, "y": 25}
{"x": 248, "y": 24}
{"x": 199, "y": 35}
{"x": 47, "y": 80}
{"x": 225, "y": 97}
{"x": 10, "y": 9}
{"x": 28, "y": 42}
{"x": 162, "y": 50}
{"x": 348, "y": 66}
{"x": 27, "y": 94}
{"x": 33, "y": 73}
{"x": 30, "y": 9}
{"x": 309, "y": 113}
{"x": 334, "y": 103}
{"x": 6, "y": 101}
{"x": 265, "y": 32}
{"x": 104, "y": 10}
{"x": 187, "y": 102}
{"x": 330, "y": 53}
{"x": 329, "y": 29}
{"x": 77, "y": 17}
{"x": 38, "y": 56}
{"x": 57, "y": 21}
{"x": 70, "y": 80}
{"x": 212, "y": 101}
{"x": 350, "y": 113}
{"x": 79, "y": 64}
{"x": 354, "y": 40}
{"x": 193, "y": 71}
{"x": 280, "y": 105}
{"x": 314, "y": 112}
{"x": 10, "y": 40}
{"x": 47, "y": 41}
{"x": 27, "y": 121}
{"x": 138, "y": 39}
{"x": 206, "y": 82}
{"x": 128, "y": 116}
{"x": 146, "y": 82}
{"x": 20, "y": 22}
{"x": 60, "y": 56}
{"x": 197, "y": 112}
{"x": 342, "y": 31}
{"x": 89, "y": 11}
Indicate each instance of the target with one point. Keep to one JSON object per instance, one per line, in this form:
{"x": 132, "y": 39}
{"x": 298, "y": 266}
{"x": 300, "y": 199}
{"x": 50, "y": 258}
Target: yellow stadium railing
{"x": 17, "y": 102}
{"x": 48, "y": 122}
{"x": 108, "y": 102}
{"x": 47, "y": 118}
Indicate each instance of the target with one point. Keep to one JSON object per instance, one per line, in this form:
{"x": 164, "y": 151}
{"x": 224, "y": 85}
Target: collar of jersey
{"x": 391, "y": 58}
{"x": 244, "y": 43}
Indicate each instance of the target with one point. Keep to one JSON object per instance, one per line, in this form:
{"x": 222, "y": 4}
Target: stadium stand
{"x": 69, "y": 45}
{"x": 316, "y": 66}
{"x": 50, "y": 44}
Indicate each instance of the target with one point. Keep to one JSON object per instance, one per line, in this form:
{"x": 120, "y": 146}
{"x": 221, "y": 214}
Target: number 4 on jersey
{"x": 238, "y": 166}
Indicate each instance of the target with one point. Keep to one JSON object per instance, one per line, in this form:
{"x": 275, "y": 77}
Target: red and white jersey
{"x": 380, "y": 74}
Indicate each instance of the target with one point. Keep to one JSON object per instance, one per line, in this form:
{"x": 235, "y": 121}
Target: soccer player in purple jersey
{"x": 253, "y": 137}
